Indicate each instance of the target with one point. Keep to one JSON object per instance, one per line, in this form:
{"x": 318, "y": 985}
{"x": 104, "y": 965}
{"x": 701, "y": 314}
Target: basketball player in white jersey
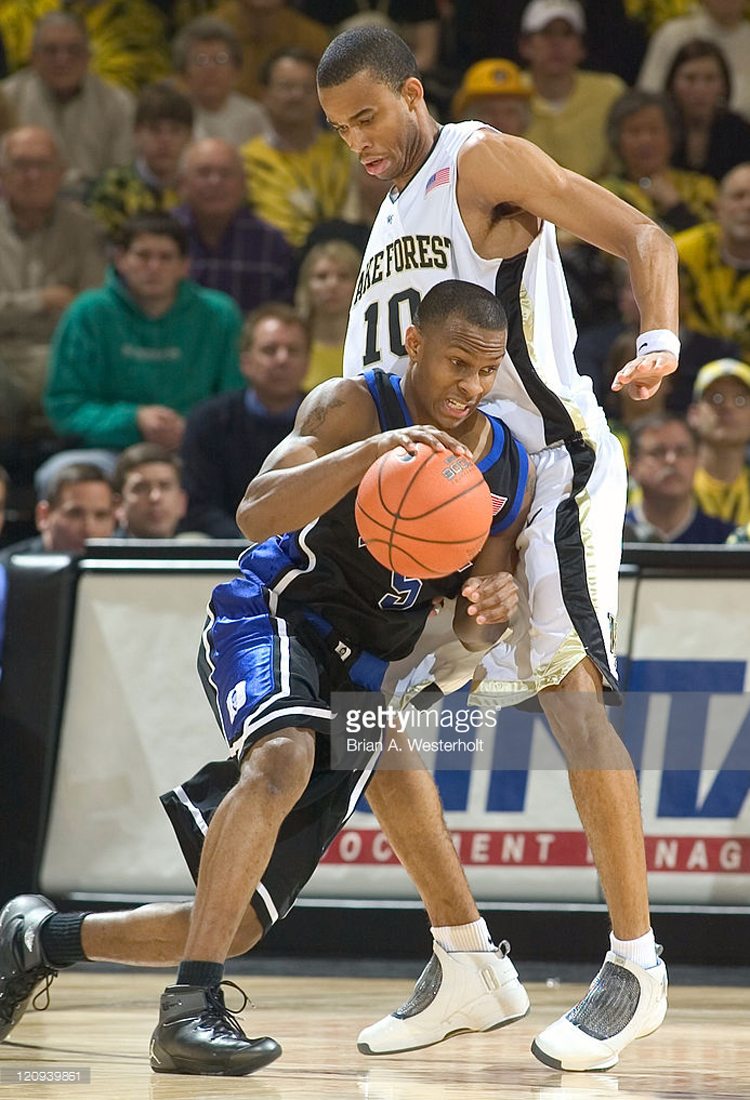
{"x": 471, "y": 203}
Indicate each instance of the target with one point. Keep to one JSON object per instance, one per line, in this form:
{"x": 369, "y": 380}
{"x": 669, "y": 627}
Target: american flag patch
{"x": 437, "y": 179}
{"x": 498, "y": 503}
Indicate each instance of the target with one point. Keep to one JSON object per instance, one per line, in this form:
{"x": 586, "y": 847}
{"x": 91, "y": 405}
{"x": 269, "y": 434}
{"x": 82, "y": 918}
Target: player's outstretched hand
{"x": 419, "y": 433}
{"x": 644, "y": 374}
{"x": 492, "y": 599}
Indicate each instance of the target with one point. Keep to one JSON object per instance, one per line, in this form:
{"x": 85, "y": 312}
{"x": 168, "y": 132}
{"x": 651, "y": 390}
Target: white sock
{"x": 641, "y": 951}
{"x": 465, "y": 937}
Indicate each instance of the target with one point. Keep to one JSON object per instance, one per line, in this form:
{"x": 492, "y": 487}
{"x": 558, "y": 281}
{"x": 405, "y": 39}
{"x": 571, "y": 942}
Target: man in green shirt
{"x": 131, "y": 359}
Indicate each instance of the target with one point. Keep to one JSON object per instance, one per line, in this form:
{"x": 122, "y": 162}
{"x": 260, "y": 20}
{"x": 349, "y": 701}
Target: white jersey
{"x": 417, "y": 240}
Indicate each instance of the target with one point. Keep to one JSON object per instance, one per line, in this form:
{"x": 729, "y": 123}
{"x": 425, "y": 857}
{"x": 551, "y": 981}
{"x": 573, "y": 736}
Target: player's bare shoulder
{"x": 490, "y": 166}
{"x": 340, "y": 408}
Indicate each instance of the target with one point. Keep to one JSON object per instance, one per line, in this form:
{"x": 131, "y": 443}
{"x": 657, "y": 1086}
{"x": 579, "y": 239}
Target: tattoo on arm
{"x": 316, "y": 418}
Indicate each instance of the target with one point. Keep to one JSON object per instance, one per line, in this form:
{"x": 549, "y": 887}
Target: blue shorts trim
{"x": 258, "y": 676}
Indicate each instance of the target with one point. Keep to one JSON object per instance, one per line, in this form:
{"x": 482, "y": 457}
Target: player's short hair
{"x": 372, "y": 49}
{"x": 653, "y": 423}
{"x": 157, "y": 223}
{"x": 139, "y": 455}
{"x": 456, "y": 297}
{"x": 76, "y": 473}
{"x": 276, "y": 311}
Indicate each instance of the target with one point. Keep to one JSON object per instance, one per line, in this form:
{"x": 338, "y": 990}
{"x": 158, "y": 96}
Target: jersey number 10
{"x": 396, "y": 327}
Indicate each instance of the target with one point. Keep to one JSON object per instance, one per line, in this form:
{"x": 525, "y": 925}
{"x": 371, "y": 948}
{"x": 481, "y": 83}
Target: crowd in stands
{"x": 180, "y": 236}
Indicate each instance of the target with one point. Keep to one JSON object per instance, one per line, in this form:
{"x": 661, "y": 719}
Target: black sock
{"x": 60, "y": 937}
{"x": 205, "y": 974}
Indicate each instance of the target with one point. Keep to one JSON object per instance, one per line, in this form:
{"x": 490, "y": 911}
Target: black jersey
{"x": 325, "y": 570}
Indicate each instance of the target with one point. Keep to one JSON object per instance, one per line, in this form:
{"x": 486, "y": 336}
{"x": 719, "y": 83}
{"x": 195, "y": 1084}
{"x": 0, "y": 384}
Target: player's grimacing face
{"x": 456, "y": 364}
{"x": 379, "y": 125}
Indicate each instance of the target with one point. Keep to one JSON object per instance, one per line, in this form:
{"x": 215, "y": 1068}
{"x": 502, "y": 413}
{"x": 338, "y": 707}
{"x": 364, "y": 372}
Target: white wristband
{"x": 657, "y": 339}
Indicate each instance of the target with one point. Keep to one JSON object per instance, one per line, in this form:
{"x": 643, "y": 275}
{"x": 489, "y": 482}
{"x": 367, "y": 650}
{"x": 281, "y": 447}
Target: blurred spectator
{"x": 128, "y": 40}
{"x": 228, "y": 438}
{"x": 299, "y": 174}
{"x": 90, "y": 118}
{"x": 616, "y": 43}
{"x": 162, "y": 129}
{"x": 151, "y": 501}
{"x": 326, "y": 283}
{"x": 208, "y": 56}
{"x": 642, "y": 128}
{"x": 569, "y": 108}
{"x": 47, "y": 473}
{"x": 719, "y": 21}
{"x": 715, "y": 266}
{"x": 495, "y": 91}
{"x": 720, "y": 415}
{"x": 229, "y": 248}
{"x": 355, "y": 223}
{"x": 130, "y": 360}
{"x": 712, "y": 139}
{"x": 264, "y": 27}
{"x": 416, "y": 21}
{"x": 663, "y": 461}
{"x": 79, "y": 506}
{"x": 50, "y": 250}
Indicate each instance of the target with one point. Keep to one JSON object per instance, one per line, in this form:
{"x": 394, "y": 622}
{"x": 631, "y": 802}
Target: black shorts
{"x": 313, "y": 672}
{"x": 328, "y": 800}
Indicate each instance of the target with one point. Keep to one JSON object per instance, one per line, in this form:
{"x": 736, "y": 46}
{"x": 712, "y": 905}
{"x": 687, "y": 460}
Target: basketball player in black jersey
{"x": 311, "y": 614}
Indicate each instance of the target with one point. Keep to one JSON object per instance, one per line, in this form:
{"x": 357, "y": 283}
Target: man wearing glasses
{"x": 720, "y": 415}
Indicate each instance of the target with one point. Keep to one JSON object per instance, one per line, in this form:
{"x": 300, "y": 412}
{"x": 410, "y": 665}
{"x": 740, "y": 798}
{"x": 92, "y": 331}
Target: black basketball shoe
{"x": 24, "y": 971}
{"x": 197, "y": 1033}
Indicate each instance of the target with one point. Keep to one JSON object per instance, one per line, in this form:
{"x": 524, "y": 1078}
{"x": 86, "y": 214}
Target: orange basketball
{"x": 425, "y": 514}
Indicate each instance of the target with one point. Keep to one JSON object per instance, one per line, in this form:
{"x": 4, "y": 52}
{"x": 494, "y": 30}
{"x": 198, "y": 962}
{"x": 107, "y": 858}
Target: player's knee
{"x": 277, "y": 770}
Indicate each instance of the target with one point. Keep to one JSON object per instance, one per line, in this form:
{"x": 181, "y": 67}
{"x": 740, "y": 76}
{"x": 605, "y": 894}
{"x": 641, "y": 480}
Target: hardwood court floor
{"x": 102, "y": 1021}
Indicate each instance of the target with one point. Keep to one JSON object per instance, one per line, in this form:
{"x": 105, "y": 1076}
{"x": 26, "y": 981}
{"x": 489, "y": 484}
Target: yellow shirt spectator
{"x": 296, "y": 189}
{"x": 574, "y": 134}
{"x": 729, "y": 501}
{"x": 715, "y": 296}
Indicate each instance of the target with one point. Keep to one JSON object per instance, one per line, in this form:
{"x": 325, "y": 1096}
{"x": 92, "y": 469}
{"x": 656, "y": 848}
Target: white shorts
{"x": 569, "y": 557}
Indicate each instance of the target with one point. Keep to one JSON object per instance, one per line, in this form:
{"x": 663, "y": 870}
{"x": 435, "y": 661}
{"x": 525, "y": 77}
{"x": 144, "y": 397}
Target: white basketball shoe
{"x": 457, "y": 991}
{"x": 624, "y": 1002}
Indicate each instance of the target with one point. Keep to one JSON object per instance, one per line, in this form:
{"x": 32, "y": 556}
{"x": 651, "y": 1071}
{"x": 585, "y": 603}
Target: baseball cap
{"x": 540, "y": 13}
{"x": 491, "y": 76}
{"x": 720, "y": 368}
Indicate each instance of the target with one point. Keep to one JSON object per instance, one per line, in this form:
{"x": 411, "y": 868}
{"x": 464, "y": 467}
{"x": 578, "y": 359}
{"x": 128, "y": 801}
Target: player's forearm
{"x": 653, "y": 273}
{"x": 287, "y": 499}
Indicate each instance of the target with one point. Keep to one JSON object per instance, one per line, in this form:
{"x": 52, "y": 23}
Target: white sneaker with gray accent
{"x": 457, "y": 991}
{"x": 624, "y": 1002}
